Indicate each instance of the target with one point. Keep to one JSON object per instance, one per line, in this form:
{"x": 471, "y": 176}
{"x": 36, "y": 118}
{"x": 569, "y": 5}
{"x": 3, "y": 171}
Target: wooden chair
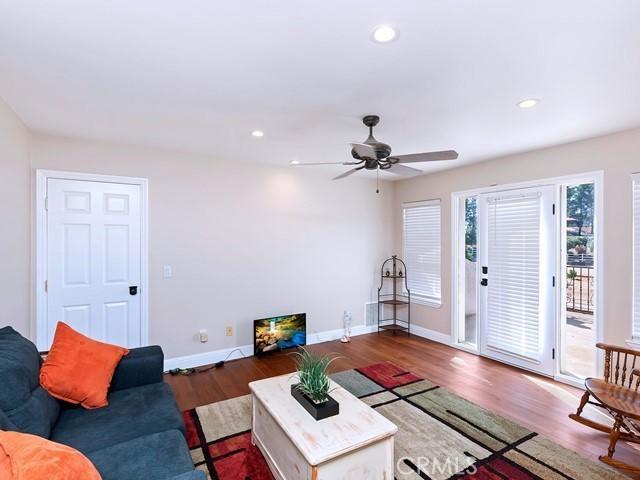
{"x": 618, "y": 395}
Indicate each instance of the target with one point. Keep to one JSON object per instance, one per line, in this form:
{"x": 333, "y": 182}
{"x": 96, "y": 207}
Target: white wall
{"x": 14, "y": 212}
{"x": 245, "y": 240}
{"x": 618, "y": 155}
{"x": 248, "y": 240}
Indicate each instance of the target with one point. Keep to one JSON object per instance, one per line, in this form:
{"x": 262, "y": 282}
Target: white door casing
{"x": 517, "y": 305}
{"x": 92, "y": 250}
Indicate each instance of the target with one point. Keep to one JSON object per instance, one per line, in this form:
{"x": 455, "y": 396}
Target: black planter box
{"x": 318, "y": 411}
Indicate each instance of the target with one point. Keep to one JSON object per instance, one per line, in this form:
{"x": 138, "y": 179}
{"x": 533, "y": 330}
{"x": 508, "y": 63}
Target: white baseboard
{"x": 431, "y": 334}
{"x": 330, "y": 335}
{"x": 207, "y": 358}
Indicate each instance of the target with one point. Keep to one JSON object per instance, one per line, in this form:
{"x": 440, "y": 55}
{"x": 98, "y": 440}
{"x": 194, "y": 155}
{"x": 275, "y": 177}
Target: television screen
{"x": 278, "y": 333}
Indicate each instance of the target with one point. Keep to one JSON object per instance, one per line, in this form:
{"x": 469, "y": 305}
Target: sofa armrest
{"x": 195, "y": 475}
{"x": 141, "y": 366}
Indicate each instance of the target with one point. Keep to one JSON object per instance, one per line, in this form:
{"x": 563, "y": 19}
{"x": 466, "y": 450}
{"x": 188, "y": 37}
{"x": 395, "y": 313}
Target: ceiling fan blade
{"x": 346, "y": 174}
{"x": 403, "y": 170}
{"x": 427, "y": 157}
{"x": 322, "y": 163}
{"x": 363, "y": 150}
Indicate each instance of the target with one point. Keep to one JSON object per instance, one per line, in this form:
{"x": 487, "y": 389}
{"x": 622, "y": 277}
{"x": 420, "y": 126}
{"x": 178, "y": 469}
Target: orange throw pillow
{"x": 79, "y": 369}
{"x": 29, "y": 457}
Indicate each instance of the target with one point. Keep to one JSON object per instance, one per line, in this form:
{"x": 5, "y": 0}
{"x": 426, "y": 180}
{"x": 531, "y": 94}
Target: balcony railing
{"x": 580, "y": 289}
{"x": 580, "y": 259}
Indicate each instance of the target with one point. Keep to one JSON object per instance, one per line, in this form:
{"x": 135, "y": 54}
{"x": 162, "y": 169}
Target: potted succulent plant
{"x": 313, "y": 387}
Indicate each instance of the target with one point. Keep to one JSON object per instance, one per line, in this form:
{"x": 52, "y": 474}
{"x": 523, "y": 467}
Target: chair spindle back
{"x": 619, "y": 365}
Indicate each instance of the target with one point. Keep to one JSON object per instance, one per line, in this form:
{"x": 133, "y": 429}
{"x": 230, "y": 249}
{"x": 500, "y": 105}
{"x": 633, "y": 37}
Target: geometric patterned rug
{"x": 440, "y": 435}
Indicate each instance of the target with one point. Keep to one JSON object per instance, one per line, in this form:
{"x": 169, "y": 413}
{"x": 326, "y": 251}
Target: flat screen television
{"x": 279, "y": 333}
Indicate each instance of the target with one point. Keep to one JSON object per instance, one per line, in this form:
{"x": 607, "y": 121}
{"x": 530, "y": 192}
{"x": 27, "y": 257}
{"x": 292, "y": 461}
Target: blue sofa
{"x": 140, "y": 434}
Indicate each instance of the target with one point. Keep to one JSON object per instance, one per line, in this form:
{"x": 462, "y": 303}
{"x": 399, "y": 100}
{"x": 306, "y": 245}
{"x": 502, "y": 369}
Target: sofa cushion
{"x": 143, "y": 365}
{"x": 131, "y": 413}
{"x": 159, "y": 456}
{"x": 5, "y": 423}
{"x": 28, "y": 407}
{"x": 37, "y": 415}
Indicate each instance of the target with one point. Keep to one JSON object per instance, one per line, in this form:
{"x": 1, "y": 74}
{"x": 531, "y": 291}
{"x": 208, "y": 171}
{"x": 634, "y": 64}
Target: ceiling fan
{"x": 375, "y": 155}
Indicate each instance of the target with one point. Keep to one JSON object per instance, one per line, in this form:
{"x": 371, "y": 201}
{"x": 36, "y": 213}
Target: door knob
{"x": 484, "y": 282}
{"x": 133, "y": 290}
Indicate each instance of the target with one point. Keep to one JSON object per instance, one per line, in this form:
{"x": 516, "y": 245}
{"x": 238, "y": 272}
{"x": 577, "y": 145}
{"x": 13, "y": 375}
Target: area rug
{"x": 440, "y": 435}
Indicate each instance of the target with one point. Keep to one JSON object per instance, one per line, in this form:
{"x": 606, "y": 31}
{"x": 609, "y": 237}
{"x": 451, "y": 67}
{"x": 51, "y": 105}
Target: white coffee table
{"x": 356, "y": 444}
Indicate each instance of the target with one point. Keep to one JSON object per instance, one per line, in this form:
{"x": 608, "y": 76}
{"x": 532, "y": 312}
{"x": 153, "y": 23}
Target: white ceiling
{"x": 200, "y": 75}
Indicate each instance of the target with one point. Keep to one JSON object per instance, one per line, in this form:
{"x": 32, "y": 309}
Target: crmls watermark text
{"x": 436, "y": 466}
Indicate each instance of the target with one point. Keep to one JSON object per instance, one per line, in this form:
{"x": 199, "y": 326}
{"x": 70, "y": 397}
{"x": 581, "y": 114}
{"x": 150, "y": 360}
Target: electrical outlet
{"x": 229, "y": 331}
{"x": 167, "y": 271}
{"x": 204, "y": 336}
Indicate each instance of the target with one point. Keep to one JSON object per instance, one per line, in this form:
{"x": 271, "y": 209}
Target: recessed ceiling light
{"x": 528, "y": 103}
{"x": 257, "y": 133}
{"x": 294, "y": 162}
{"x": 384, "y": 34}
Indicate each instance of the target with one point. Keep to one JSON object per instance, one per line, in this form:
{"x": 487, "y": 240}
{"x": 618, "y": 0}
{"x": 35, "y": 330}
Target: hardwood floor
{"x": 531, "y": 400}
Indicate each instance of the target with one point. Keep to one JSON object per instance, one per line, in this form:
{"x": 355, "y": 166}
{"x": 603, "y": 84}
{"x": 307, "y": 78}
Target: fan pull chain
{"x": 378, "y": 180}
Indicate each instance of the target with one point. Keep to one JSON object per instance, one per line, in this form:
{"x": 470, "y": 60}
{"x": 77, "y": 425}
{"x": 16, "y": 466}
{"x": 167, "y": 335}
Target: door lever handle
{"x": 133, "y": 290}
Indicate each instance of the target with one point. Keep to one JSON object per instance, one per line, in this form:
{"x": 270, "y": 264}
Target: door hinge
{"x": 553, "y": 281}
{"x": 553, "y": 209}
{"x": 553, "y": 354}
{"x": 46, "y": 286}
{"x": 46, "y": 203}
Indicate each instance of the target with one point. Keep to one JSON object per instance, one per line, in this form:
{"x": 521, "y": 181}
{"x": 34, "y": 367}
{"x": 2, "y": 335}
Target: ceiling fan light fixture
{"x": 258, "y": 133}
{"x": 373, "y": 155}
{"x": 528, "y": 103}
{"x": 384, "y": 34}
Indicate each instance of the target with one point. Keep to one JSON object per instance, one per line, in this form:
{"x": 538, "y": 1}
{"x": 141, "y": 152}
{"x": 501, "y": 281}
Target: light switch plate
{"x": 168, "y": 271}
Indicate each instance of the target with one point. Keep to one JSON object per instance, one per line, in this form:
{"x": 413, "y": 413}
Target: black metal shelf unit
{"x": 394, "y": 269}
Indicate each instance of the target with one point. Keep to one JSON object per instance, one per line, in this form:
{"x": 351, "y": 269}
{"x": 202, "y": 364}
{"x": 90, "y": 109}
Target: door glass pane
{"x": 469, "y": 333}
{"x": 579, "y": 358}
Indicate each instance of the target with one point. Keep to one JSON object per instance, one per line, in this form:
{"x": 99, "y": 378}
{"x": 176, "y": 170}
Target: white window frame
{"x": 634, "y": 341}
{"x": 417, "y": 297}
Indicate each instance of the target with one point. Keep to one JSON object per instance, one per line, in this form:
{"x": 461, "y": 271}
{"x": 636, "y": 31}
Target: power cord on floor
{"x": 189, "y": 371}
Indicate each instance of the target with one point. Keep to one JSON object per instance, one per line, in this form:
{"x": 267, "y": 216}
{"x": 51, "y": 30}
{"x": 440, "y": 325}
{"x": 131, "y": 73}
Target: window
{"x": 636, "y": 258}
{"x": 421, "y": 246}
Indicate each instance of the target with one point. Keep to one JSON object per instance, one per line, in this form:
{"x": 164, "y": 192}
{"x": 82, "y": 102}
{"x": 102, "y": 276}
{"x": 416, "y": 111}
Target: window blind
{"x": 636, "y": 257}
{"x": 421, "y": 245}
{"x": 513, "y": 303}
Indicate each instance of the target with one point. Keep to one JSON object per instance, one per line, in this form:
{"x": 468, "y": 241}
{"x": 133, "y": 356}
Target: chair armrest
{"x": 195, "y": 475}
{"x": 141, "y": 366}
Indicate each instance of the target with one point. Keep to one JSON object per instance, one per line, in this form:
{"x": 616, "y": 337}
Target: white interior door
{"x": 93, "y": 251}
{"x": 517, "y": 258}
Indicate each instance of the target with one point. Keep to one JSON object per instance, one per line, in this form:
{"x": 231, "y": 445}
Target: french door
{"x": 516, "y": 275}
